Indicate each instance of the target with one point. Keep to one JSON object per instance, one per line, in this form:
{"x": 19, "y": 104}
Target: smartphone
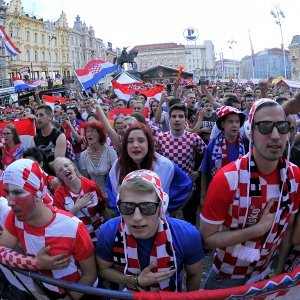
{"x": 203, "y": 82}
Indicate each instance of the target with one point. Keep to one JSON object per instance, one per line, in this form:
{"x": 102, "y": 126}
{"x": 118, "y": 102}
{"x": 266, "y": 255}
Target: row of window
{"x": 43, "y": 57}
{"x": 16, "y": 34}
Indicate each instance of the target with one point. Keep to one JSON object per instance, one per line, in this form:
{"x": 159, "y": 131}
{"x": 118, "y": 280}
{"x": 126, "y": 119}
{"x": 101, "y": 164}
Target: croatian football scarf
{"x": 220, "y": 152}
{"x": 162, "y": 255}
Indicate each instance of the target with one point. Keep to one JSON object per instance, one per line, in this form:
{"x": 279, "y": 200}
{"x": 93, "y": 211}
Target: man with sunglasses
{"x": 143, "y": 250}
{"x": 249, "y": 222}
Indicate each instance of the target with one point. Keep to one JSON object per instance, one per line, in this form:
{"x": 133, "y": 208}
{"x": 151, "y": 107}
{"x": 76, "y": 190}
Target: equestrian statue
{"x": 126, "y": 57}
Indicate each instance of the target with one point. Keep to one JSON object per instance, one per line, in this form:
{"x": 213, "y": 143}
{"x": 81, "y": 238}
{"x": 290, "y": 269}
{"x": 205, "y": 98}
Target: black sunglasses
{"x": 266, "y": 127}
{"x": 146, "y": 208}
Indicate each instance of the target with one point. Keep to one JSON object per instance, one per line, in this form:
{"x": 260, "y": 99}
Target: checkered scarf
{"x": 250, "y": 250}
{"x": 220, "y": 152}
{"x": 162, "y": 254}
{"x": 28, "y": 175}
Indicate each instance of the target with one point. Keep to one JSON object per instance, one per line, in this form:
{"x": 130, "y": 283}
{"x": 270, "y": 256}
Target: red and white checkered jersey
{"x": 65, "y": 199}
{"x": 223, "y": 205}
{"x": 64, "y": 234}
{"x": 180, "y": 149}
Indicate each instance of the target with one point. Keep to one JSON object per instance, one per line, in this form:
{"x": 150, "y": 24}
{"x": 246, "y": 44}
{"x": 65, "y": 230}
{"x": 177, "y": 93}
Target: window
{"x": 56, "y": 57}
{"x": 27, "y": 36}
{"x": 27, "y": 57}
{"x": 73, "y": 55}
{"x": 36, "y": 58}
{"x": 43, "y": 39}
{"x": 35, "y": 37}
{"x": 43, "y": 56}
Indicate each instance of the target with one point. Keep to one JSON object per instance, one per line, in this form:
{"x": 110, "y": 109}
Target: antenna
{"x": 33, "y": 7}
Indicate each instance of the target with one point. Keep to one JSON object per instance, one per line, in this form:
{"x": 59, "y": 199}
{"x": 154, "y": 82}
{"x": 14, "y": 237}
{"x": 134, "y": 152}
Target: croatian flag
{"x": 9, "y": 45}
{"x": 94, "y": 71}
{"x": 20, "y": 84}
{"x": 25, "y": 129}
{"x": 127, "y": 91}
{"x": 50, "y": 100}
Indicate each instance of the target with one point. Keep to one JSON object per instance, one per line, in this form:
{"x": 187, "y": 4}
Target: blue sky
{"x": 135, "y": 22}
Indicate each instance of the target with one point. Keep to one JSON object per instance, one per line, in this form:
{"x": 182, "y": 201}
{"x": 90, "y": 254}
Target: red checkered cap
{"x": 28, "y": 175}
{"x": 257, "y": 104}
{"x": 152, "y": 178}
{"x": 225, "y": 110}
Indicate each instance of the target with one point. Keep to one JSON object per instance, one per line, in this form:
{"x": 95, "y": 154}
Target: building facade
{"x": 227, "y": 69}
{"x": 49, "y": 48}
{"x": 268, "y": 63}
{"x": 295, "y": 57}
{"x": 200, "y": 60}
{"x": 165, "y": 54}
{"x": 197, "y": 59}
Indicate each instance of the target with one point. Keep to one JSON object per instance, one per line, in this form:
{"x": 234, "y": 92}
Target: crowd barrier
{"x": 284, "y": 286}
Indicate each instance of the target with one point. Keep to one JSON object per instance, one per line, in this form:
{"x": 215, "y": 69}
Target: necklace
{"x": 94, "y": 159}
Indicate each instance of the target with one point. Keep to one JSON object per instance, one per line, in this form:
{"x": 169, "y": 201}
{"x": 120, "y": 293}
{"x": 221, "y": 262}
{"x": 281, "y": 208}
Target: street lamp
{"x": 277, "y": 13}
{"x": 232, "y": 42}
{"x": 50, "y": 26}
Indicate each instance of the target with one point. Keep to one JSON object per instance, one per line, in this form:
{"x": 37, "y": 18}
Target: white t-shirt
{"x": 4, "y": 210}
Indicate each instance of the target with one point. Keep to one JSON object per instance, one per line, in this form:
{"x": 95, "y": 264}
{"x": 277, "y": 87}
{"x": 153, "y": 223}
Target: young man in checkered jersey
{"x": 54, "y": 241}
{"x": 249, "y": 222}
{"x": 180, "y": 146}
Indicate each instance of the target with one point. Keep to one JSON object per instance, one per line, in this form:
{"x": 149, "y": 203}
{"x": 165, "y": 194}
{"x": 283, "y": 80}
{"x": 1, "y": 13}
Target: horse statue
{"x": 126, "y": 57}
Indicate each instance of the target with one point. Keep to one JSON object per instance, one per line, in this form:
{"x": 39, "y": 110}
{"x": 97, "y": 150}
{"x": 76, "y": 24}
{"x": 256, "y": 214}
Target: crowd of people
{"x": 134, "y": 202}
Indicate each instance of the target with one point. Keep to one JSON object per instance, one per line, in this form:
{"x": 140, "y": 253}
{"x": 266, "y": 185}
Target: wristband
{"x": 136, "y": 280}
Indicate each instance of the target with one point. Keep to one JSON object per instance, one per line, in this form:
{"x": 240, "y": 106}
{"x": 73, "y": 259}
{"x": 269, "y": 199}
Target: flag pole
{"x": 252, "y": 55}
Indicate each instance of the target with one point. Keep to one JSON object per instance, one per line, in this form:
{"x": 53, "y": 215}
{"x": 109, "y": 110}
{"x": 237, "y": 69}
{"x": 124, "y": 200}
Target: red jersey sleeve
{"x": 83, "y": 245}
{"x": 217, "y": 199}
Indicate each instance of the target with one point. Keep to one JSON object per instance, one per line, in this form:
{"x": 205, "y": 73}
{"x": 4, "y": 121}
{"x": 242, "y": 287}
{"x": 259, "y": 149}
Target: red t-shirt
{"x": 65, "y": 199}
{"x": 11, "y": 155}
{"x": 78, "y": 126}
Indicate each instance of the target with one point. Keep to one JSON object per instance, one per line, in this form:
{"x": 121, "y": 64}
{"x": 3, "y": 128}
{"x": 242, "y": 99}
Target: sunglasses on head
{"x": 266, "y": 127}
{"x": 146, "y": 208}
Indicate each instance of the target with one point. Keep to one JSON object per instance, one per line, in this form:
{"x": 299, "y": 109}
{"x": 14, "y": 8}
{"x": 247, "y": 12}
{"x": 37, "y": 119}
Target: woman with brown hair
{"x": 97, "y": 160}
{"x": 12, "y": 148}
{"x": 137, "y": 152}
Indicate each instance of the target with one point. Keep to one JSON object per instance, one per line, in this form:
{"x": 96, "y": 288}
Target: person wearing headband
{"x": 54, "y": 241}
{"x": 249, "y": 222}
{"x": 143, "y": 250}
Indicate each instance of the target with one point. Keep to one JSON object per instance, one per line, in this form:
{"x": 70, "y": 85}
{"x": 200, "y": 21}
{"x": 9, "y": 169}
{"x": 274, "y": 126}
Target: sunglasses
{"x": 266, "y": 127}
{"x": 146, "y": 208}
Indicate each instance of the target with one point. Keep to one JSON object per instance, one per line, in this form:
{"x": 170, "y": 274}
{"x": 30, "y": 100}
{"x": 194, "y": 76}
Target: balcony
{"x": 66, "y": 65}
{"x": 44, "y": 64}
